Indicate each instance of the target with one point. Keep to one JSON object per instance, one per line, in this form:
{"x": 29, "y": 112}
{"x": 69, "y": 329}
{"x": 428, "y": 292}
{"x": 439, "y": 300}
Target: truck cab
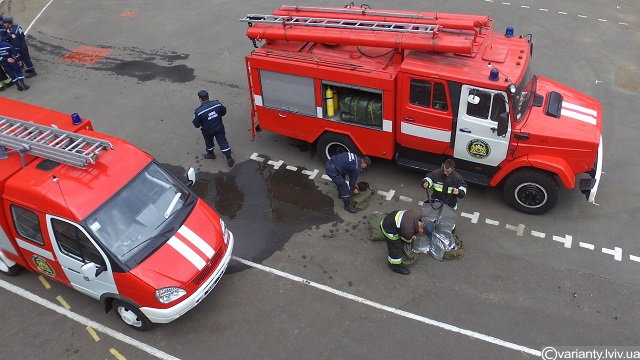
{"x": 117, "y": 227}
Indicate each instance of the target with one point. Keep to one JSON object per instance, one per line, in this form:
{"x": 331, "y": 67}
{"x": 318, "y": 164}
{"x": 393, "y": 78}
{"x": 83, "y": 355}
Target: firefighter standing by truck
{"x": 208, "y": 117}
{"x": 10, "y": 62}
{"x": 344, "y": 165}
{"x": 15, "y": 36}
{"x": 448, "y": 186}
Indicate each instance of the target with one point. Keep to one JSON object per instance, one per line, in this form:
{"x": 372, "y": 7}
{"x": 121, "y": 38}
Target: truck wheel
{"x": 131, "y": 315}
{"x": 331, "y": 144}
{"x": 9, "y": 270}
{"x": 531, "y": 191}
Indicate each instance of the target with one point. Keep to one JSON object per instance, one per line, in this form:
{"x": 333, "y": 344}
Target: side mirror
{"x": 511, "y": 89}
{"x": 191, "y": 175}
{"x": 90, "y": 271}
{"x": 503, "y": 123}
{"x": 473, "y": 99}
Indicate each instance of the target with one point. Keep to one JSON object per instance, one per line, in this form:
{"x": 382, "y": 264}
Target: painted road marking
{"x": 492, "y": 222}
{"x": 255, "y": 157}
{"x": 616, "y": 252}
{"x": 586, "y": 245}
{"x": 518, "y": 229}
{"x": 115, "y": 353}
{"x": 64, "y": 303}
{"x": 326, "y": 177}
{"x": 634, "y": 258}
{"x": 406, "y": 314}
{"x": 312, "y": 174}
{"x": 276, "y": 164}
{"x": 292, "y": 168}
{"x": 44, "y": 282}
{"x": 87, "y": 322}
{"x": 474, "y": 217}
{"x": 93, "y": 333}
{"x": 404, "y": 198}
{"x": 565, "y": 240}
{"x": 538, "y": 234}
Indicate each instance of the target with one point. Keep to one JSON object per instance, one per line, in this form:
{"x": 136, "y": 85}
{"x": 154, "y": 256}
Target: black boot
{"x": 24, "y": 86}
{"x": 1, "y": 86}
{"x": 230, "y": 160}
{"x": 31, "y": 73}
{"x": 19, "y": 86}
{"x": 348, "y": 206}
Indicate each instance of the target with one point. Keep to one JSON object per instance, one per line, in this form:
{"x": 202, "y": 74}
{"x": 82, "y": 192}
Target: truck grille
{"x": 209, "y": 268}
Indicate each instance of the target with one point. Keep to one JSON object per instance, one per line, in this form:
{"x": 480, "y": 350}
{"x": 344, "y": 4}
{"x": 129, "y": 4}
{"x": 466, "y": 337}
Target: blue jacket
{"x": 15, "y": 36}
{"x": 209, "y": 115}
{"x": 7, "y": 52}
{"x": 347, "y": 164}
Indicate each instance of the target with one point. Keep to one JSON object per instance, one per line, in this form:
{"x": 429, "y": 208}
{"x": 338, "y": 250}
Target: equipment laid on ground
{"x": 419, "y": 87}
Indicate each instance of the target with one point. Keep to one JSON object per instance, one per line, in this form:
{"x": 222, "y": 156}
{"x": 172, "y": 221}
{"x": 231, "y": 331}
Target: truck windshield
{"x": 143, "y": 214}
{"x": 524, "y": 95}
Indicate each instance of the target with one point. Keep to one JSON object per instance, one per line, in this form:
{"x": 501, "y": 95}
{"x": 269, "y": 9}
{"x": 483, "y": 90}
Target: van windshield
{"x": 144, "y": 214}
{"x": 524, "y": 95}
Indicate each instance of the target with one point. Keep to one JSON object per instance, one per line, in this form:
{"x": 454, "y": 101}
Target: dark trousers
{"x": 221, "y": 138}
{"x": 394, "y": 249}
{"x": 12, "y": 70}
{"x": 338, "y": 179}
{"x": 26, "y": 59}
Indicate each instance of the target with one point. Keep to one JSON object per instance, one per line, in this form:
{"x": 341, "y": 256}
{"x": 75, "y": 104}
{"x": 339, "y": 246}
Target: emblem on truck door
{"x": 43, "y": 266}
{"x": 479, "y": 149}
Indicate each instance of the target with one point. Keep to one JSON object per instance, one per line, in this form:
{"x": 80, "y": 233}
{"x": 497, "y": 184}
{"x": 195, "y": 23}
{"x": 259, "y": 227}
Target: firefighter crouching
{"x": 344, "y": 165}
{"x": 10, "y": 62}
{"x": 398, "y": 227}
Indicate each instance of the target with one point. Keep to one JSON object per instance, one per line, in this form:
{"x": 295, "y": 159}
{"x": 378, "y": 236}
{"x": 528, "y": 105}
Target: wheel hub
{"x": 531, "y": 195}
{"x": 129, "y": 317}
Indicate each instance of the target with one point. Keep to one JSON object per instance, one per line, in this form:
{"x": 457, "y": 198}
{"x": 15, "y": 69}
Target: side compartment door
{"x": 425, "y": 114}
{"x": 75, "y": 248}
{"x": 476, "y": 131}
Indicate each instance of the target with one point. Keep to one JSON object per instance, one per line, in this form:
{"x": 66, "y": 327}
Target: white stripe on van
{"x": 197, "y": 241}
{"x": 578, "y": 116}
{"x": 185, "y": 251}
{"x": 579, "y": 108}
{"x": 34, "y": 249}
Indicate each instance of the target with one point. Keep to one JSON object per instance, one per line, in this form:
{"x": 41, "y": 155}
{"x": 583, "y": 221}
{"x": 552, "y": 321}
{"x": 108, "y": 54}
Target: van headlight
{"x": 225, "y": 232}
{"x": 169, "y": 294}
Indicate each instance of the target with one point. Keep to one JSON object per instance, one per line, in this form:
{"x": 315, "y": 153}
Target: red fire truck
{"x": 100, "y": 215}
{"x": 420, "y": 87}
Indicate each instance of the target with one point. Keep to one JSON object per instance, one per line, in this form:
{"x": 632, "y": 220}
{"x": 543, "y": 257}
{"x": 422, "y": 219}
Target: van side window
{"x": 439, "y": 97}
{"x": 481, "y": 109}
{"x": 27, "y": 224}
{"x": 74, "y": 243}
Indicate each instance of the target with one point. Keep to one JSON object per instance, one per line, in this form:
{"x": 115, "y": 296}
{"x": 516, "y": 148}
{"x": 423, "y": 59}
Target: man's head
{"x": 449, "y": 165}
{"x": 8, "y": 21}
{"x": 203, "y": 95}
{"x": 365, "y": 163}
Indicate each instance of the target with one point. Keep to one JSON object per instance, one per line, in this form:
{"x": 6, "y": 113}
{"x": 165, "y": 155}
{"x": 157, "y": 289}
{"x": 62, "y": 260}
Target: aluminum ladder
{"x": 342, "y": 23}
{"x": 50, "y": 143}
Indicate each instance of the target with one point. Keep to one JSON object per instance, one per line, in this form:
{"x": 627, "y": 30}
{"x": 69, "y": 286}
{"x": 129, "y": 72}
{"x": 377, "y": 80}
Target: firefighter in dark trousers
{"x": 16, "y": 38}
{"x": 10, "y": 62}
{"x": 398, "y": 227}
{"x": 5, "y": 80}
{"x": 344, "y": 165}
{"x": 208, "y": 117}
{"x": 448, "y": 185}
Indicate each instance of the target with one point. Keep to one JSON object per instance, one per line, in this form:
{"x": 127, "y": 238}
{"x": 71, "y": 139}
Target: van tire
{"x": 330, "y": 144}
{"x": 9, "y": 270}
{"x": 131, "y": 315}
{"x": 531, "y": 191}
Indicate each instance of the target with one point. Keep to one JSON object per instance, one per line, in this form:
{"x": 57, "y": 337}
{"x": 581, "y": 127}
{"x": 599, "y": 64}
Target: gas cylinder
{"x": 329, "y": 96}
{"x": 336, "y": 102}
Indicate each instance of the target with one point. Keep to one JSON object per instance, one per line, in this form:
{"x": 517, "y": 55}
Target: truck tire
{"x": 531, "y": 191}
{"x": 131, "y": 315}
{"x": 9, "y": 270}
{"x": 331, "y": 144}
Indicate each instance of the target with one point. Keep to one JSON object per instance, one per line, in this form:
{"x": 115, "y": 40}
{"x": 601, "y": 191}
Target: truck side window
{"x": 27, "y": 224}
{"x": 481, "y": 109}
{"x": 439, "y": 97}
{"x": 420, "y": 93}
{"x": 74, "y": 243}
{"x": 498, "y": 106}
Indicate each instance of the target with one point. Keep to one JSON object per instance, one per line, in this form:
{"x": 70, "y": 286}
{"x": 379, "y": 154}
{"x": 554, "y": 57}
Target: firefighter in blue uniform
{"x": 5, "y": 80}
{"x": 10, "y": 61}
{"x": 16, "y": 38}
{"x": 344, "y": 165}
{"x": 208, "y": 117}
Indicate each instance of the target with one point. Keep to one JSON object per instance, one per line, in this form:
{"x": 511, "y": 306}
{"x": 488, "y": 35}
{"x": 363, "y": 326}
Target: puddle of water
{"x": 263, "y": 207}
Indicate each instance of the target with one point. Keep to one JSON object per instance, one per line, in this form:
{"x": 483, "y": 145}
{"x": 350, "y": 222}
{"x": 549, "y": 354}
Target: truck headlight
{"x": 169, "y": 294}
{"x": 225, "y": 232}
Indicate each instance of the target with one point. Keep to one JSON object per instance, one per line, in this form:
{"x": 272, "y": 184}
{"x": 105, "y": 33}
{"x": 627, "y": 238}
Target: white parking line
{"x": 86, "y": 322}
{"x": 406, "y": 314}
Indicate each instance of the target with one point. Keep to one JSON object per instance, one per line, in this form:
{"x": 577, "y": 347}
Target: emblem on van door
{"x": 43, "y": 266}
{"x": 479, "y": 149}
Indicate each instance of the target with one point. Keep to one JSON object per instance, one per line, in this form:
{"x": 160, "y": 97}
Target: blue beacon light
{"x": 509, "y": 32}
{"x": 494, "y": 75}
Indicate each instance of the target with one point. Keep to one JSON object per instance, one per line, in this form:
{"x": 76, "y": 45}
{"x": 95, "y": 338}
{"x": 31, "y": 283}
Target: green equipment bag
{"x": 374, "y": 222}
{"x": 361, "y": 108}
{"x": 362, "y": 199}
{"x": 456, "y": 253}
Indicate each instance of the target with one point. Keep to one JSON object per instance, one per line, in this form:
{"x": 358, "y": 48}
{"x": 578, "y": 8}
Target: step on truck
{"x": 102, "y": 216}
{"x": 418, "y": 88}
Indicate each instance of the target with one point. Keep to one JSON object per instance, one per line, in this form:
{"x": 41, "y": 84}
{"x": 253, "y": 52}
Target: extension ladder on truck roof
{"x": 50, "y": 143}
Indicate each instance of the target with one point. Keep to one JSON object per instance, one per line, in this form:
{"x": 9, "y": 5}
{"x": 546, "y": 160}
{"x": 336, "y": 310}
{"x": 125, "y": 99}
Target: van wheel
{"x": 131, "y": 315}
{"x": 12, "y": 270}
{"x": 531, "y": 191}
{"x": 331, "y": 144}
